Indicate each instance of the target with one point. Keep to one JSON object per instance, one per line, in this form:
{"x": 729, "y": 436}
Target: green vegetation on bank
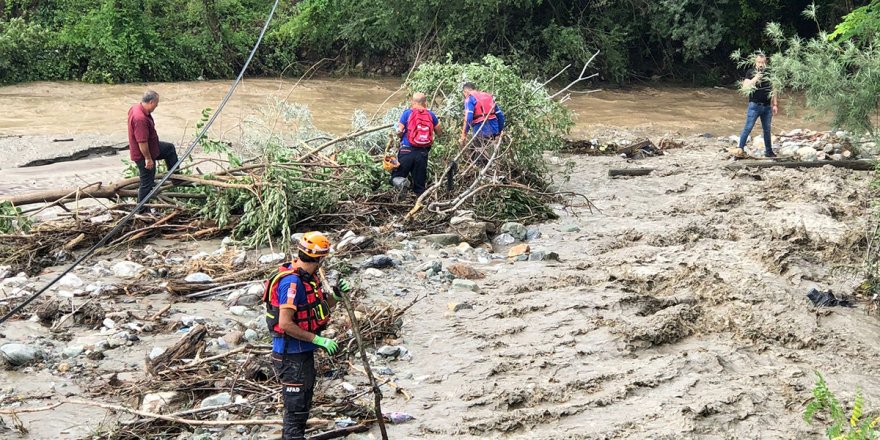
{"x": 140, "y": 40}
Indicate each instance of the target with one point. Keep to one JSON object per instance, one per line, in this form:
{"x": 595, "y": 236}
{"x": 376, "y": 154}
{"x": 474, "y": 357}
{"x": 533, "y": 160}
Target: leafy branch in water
{"x": 12, "y": 219}
{"x": 841, "y": 427}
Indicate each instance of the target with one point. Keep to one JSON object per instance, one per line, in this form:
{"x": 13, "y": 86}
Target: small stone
{"x": 462, "y": 284}
{"x": 464, "y": 247}
{"x": 443, "y": 239}
{"x": 238, "y": 310}
{"x": 156, "y": 352}
{"x": 846, "y": 154}
{"x": 63, "y": 367}
{"x": 378, "y": 262}
{"x": 216, "y": 400}
{"x": 807, "y": 154}
{"x": 272, "y": 258}
{"x": 388, "y": 351}
{"x": 435, "y": 266}
{"x": 222, "y": 344}
{"x": 71, "y": 281}
{"x": 156, "y": 403}
{"x": 518, "y": 250}
{"x": 234, "y": 337}
{"x": 251, "y": 335}
{"x": 103, "y": 218}
{"x": 19, "y": 354}
{"x": 73, "y": 351}
{"x": 95, "y": 356}
{"x": 504, "y": 240}
{"x": 198, "y": 277}
{"x": 109, "y": 323}
{"x": 127, "y": 269}
{"x": 374, "y": 273}
{"x": 836, "y": 157}
{"x": 571, "y": 228}
{"x": 464, "y": 271}
{"x": 190, "y": 320}
{"x": 517, "y": 230}
{"x": 533, "y": 234}
{"x": 227, "y": 241}
{"x": 456, "y": 306}
{"x": 828, "y": 149}
{"x": 239, "y": 259}
{"x": 544, "y": 256}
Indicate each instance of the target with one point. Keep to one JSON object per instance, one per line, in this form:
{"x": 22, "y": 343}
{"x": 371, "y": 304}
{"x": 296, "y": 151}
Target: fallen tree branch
{"x": 614, "y": 172}
{"x": 857, "y": 165}
{"x": 580, "y": 77}
{"x": 342, "y": 139}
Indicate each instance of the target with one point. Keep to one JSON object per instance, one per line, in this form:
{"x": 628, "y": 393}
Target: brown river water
{"x": 35, "y": 114}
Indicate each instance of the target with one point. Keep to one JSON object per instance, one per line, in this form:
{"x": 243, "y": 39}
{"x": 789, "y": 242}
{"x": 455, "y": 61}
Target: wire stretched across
{"x": 158, "y": 186}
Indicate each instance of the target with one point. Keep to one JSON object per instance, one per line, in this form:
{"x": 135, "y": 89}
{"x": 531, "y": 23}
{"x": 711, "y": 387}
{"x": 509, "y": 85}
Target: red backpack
{"x": 420, "y": 128}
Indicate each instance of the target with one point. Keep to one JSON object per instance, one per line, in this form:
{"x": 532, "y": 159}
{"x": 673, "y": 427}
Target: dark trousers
{"x": 296, "y": 372}
{"x": 413, "y": 162}
{"x": 756, "y": 111}
{"x": 168, "y": 153}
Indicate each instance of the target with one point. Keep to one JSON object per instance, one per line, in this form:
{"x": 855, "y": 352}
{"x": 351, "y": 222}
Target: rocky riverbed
{"x": 677, "y": 309}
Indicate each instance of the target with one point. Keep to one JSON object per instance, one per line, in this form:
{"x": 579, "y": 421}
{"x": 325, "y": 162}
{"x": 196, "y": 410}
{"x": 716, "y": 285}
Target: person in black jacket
{"x": 763, "y": 104}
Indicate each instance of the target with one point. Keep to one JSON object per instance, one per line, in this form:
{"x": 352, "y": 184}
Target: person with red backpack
{"x": 416, "y": 129}
{"x": 483, "y": 117}
{"x": 297, "y": 310}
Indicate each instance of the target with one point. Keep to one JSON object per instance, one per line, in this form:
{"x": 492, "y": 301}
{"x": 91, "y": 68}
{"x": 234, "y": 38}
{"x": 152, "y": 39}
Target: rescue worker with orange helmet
{"x": 482, "y": 116}
{"x": 297, "y": 310}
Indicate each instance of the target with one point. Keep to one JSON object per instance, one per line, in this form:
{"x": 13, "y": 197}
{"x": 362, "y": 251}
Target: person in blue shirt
{"x": 482, "y": 117}
{"x": 297, "y": 310}
{"x": 416, "y": 128}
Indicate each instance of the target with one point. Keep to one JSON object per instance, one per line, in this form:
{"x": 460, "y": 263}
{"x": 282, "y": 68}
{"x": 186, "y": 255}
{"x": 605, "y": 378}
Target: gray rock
{"x": 443, "y": 239}
{"x": 504, "y": 240}
{"x": 239, "y": 259}
{"x": 16, "y": 281}
{"x": 190, "y": 320}
{"x": 471, "y": 231}
{"x": 216, "y": 400}
{"x": 468, "y": 285}
{"x": 836, "y": 157}
{"x": 435, "y": 266}
{"x": 157, "y": 402}
{"x": 544, "y": 256}
{"x": 19, "y": 354}
{"x": 5, "y": 272}
{"x": 388, "y": 351}
{"x": 251, "y": 335}
{"x": 354, "y": 242}
{"x": 571, "y": 228}
{"x": 807, "y": 154}
{"x": 272, "y": 258}
{"x": 533, "y": 234}
{"x": 72, "y": 351}
{"x": 109, "y": 323}
{"x": 517, "y": 230}
{"x": 127, "y": 269}
{"x": 238, "y": 310}
{"x": 156, "y": 352}
{"x": 378, "y": 262}
{"x": 70, "y": 280}
{"x": 198, "y": 277}
{"x": 374, "y": 273}
{"x": 828, "y": 149}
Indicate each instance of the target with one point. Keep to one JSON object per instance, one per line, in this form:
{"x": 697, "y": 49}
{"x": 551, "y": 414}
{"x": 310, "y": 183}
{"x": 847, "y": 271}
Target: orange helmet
{"x": 314, "y": 244}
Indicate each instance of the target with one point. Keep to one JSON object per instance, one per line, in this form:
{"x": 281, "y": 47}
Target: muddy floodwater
{"x": 50, "y": 119}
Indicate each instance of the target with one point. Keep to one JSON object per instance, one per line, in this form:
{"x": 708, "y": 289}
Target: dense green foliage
{"x": 838, "y": 73}
{"x": 135, "y": 40}
{"x": 840, "y": 427}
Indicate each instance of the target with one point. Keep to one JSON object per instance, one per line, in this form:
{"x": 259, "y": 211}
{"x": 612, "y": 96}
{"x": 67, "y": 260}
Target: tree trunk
{"x": 630, "y": 172}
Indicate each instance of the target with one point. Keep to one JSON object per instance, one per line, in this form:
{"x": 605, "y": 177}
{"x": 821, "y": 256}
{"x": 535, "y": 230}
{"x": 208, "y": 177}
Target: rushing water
{"x": 87, "y": 112}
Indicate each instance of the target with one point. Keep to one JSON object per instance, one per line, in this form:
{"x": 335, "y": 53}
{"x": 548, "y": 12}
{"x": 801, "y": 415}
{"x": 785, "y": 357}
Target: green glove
{"x": 327, "y": 343}
{"x": 341, "y": 287}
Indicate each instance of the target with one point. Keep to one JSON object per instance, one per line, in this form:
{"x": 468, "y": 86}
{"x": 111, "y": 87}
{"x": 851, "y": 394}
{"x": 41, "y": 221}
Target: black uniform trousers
{"x": 296, "y": 372}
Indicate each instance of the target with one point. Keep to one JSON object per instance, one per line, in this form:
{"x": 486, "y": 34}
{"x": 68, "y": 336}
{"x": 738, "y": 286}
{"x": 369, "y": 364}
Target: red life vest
{"x": 312, "y": 317}
{"x": 484, "y": 108}
{"x": 420, "y": 128}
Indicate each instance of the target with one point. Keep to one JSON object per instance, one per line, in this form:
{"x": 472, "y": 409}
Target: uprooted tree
{"x": 285, "y": 174}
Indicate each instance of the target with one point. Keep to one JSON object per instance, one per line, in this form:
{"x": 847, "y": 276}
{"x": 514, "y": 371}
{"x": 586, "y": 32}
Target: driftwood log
{"x": 187, "y": 347}
{"x": 858, "y": 165}
{"x": 630, "y": 172}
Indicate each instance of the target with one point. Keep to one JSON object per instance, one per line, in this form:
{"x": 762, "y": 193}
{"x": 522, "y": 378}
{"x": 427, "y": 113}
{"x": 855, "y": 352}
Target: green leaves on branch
{"x": 839, "y": 426}
{"x": 12, "y": 220}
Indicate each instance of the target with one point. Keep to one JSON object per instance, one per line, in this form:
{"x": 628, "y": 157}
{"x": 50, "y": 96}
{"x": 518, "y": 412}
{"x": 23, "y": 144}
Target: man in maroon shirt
{"x": 143, "y": 142}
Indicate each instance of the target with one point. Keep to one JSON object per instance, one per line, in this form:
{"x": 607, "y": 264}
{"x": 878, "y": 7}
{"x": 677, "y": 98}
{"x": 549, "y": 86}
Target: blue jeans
{"x": 765, "y": 112}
